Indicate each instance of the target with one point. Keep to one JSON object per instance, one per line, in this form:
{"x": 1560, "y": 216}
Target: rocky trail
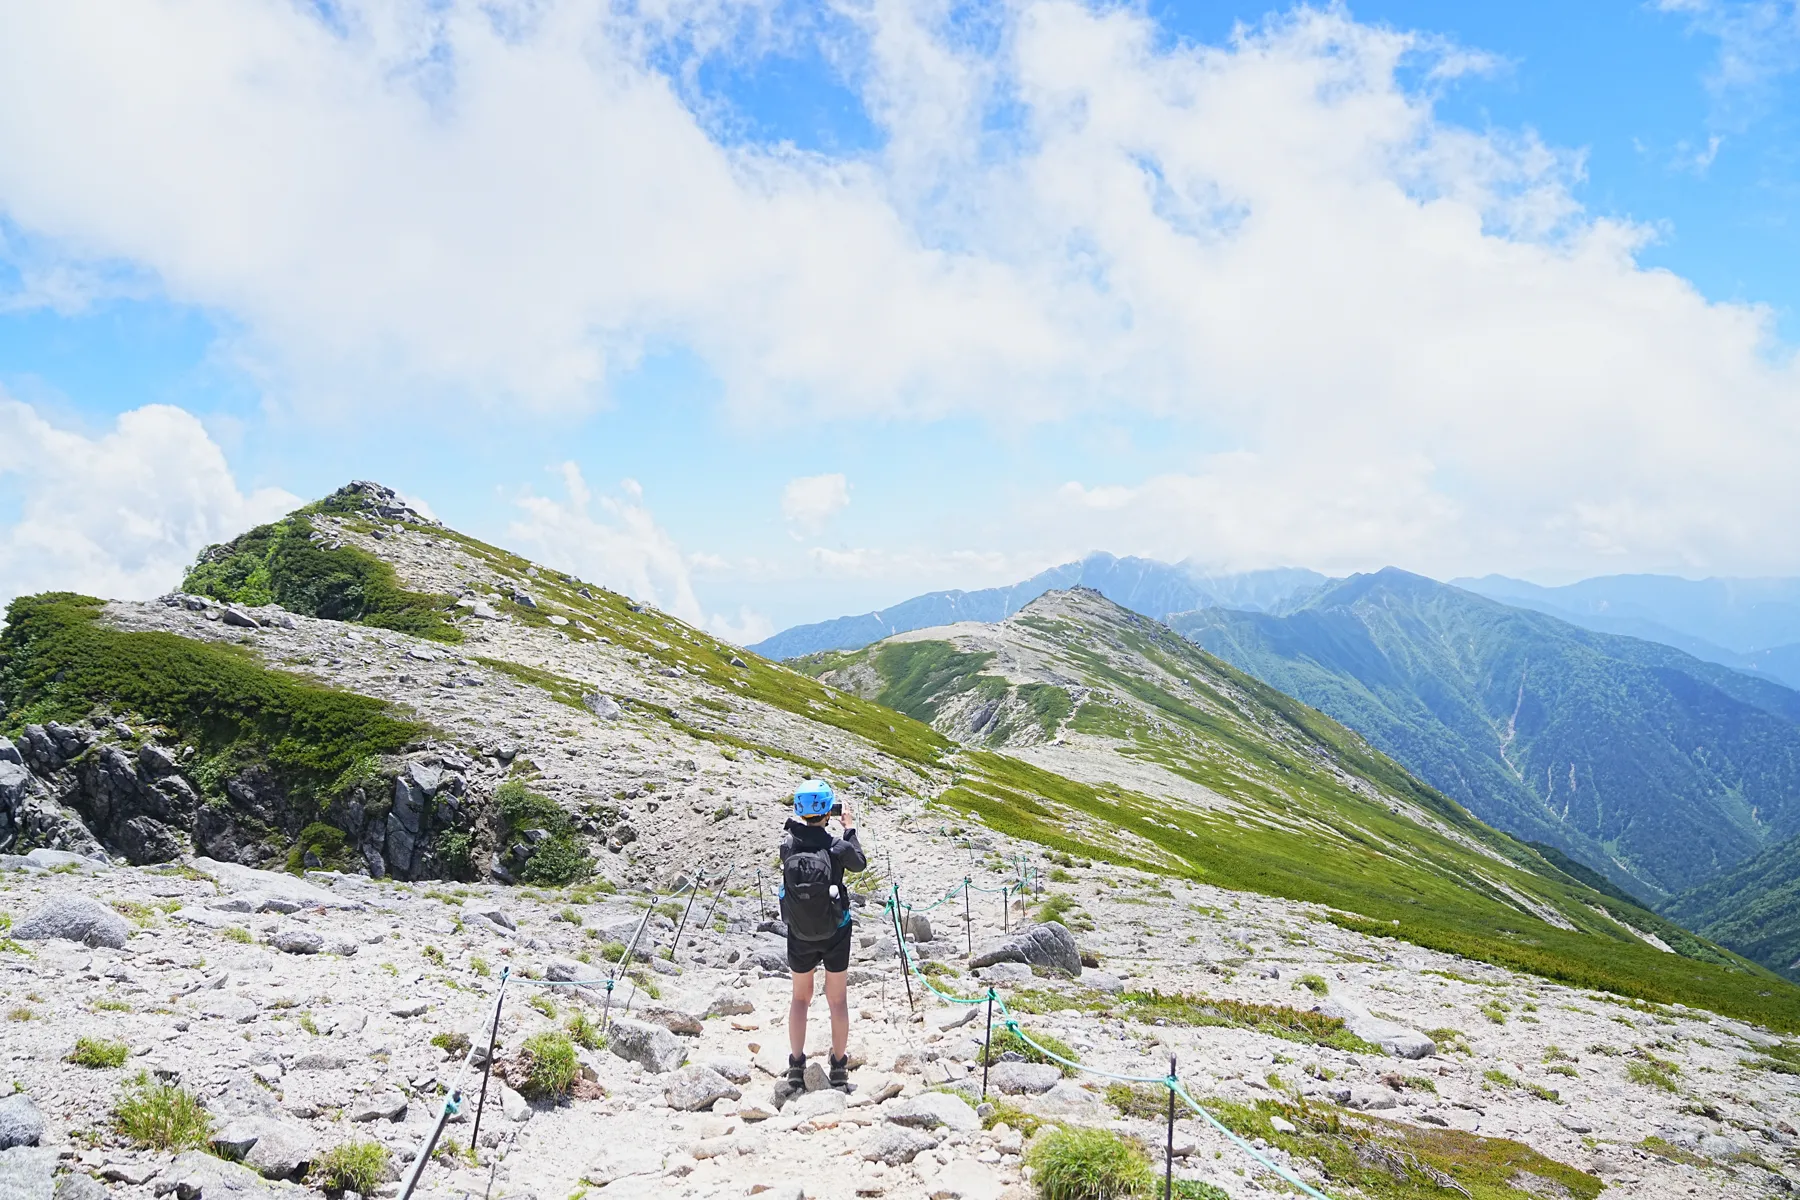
{"x": 310, "y": 1013}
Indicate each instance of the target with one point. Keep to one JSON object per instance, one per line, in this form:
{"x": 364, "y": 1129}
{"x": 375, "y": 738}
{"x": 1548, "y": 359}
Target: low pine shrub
{"x": 359, "y": 1167}
{"x": 550, "y": 1066}
{"x": 160, "y": 1116}
{"x": 1088, "y": 1164}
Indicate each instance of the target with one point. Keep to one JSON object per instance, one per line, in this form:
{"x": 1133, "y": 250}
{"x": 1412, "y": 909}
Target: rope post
{"x": 693, "y": 890}
{"x": 487, "y": 1068}
{"x": 717, "y": 896}
{"x": 762, "y": 909}
{"x": 987, "y": 1043}
{"x": 451, "y": 1105}
{"x": 1169, "y": 1162}
{"x": 1005, "y": 908}
{"x": 900, "y": 945}
{"x": 968, "y": 921}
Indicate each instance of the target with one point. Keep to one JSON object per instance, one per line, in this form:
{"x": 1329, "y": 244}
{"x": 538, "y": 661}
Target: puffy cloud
{"x": 122, "y": 514}
{"x": 1403, "y": 338}
{"x": 621, "y": 547}
{"x": 809, "y": 501}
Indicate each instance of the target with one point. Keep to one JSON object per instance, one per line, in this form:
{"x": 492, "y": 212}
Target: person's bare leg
{"x": 797, "y": 1006}
{"x": 837, "y": 998}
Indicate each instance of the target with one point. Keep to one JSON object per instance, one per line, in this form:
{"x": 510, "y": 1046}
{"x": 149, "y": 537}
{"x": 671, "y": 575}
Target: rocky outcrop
{"x": 1049, "y": 945}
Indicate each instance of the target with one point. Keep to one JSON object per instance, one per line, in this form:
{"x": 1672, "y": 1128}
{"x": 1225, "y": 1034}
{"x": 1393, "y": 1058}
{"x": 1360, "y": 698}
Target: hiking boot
{"x": 796, "y": 1076}
{"x": 840, "y": 1072}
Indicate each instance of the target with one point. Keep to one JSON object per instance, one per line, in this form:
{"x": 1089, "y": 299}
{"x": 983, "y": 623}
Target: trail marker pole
{"x": 968, "y": 921}
{"x": 987, "y": 1044}
{"x": 762, "y": 910}
{"x": 693, "y": 890}
{"x": 487, "y": 1068}
{"x": 1169, "y": 1161}
{"x": 717, "y": 896}
{"x": 1005, "y": 908}
{"x": 437, "y": 1131}
{"x": 900, "y": 945}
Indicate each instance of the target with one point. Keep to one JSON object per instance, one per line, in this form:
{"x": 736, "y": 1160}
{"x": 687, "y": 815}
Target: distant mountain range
{"x": 1750, "y": 624}
{"x": 1143, "y": 585}
{"x": 1660, "y": 769}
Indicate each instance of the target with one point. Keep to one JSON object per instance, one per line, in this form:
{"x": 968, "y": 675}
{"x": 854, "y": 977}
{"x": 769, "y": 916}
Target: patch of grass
{"x": 1199, "y": 1189}
{"x": 237, "y": 933}
{"x": 584, "y": 1033}
{"x": 111, "y": 1004}
{"x": 432, "y": 955}
{"x": 1139, "y": 1100}
{"x": 1039, "y": 1000}
{"x": 1055, "y": 907}
{"x": 550, "y": 1065}
{"x": 98, "y": 1052}
{"x": 1088, "y": 1164}
{"x": 160, "y": 1116}
{"x": 58, "y": 660}
{"x": 1663, "y": 1148}
{"x": 543, "y": 1004}
{"x": 282, "y": 564}
{"x": 480, "y": 966}
{"x": 1394, "y": 1161}
{"x": 1007, "y": 1113}
{"x": 1314, "y": 983}
{"x": 570, "y": 916}
{"x": 1494, "y": 1011}
{"x": 1293, "y": 1024}
{"x": 1005, "y": 1040}
{"x": 454, "y": 1045}
{"x": 360, "y": 1166}
{"x": 560, "y": 858}
{"x": 20, "y": 1013}
{"x": 1653, "y": 1072}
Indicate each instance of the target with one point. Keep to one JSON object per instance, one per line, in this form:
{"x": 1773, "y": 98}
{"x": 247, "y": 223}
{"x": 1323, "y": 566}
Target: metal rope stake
{"x": 693, "y": 890}
{"x": 451, "y": 1106}
{"x": 987, "y": 1046}
{"x": 968, "y": 921}
{"x": 1169, "y": 1162}
{"x": 487, "y": 1068}
{"x": 762, "y": 909}
{"x": 717, "y": 896}
{"x": 900, "y": 945}
{"x": 1005, "y": 908}
{"x": 618, "y": 969}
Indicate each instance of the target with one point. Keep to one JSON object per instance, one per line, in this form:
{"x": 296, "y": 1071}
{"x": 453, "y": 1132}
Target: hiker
{"x": 816, "y": 908}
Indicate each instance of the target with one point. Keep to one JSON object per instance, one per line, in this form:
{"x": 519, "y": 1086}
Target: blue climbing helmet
{"x": 814, "y": 798}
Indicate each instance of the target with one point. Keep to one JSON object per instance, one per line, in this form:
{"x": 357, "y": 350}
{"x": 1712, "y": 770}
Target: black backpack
{"x": 808, "y": 897}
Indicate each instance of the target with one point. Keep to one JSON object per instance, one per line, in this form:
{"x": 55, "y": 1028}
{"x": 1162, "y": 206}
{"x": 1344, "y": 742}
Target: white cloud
{"x": 1404, "y": 337}
{"x": 809, "y": 501}
{"x": 1759, "y": 44}
{"x": 121, "y": 515}
{"x": 622, "y": 548}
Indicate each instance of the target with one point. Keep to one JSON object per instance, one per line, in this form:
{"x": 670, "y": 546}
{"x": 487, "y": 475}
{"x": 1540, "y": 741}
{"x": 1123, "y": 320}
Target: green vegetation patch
{"x": 360, "y": 1167}
{"x": 1277, "y": 1020}
{"x": 549, "y": 1063}
{"x": 58, "y": 661}
{"x": 1088, "y": 1164}
{"x": 1392, "y": 1161}
{"x": 283, "y": 564}
{"x": 560, "y": 858}
{"x": 1006, "y": 1040}
{"x": 99, "y": 1052}
{"x": 921, "y": 676}
{"x": 160, "y": 1116}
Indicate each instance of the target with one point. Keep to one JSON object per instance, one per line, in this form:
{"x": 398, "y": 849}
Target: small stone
{"x": 964, "y": 1179}
{"x": 385, "y": 1105}
{"x": 818, "y": 1078}
{"x": 817, "y": 1104}
{"x": 622, "y": 1160}
{"x": 77, "y": 1186}
{"x": 894, "y": 1144}
{"x": 28, "y": 1173}
{"x": 1017, "y": 1078}
{"x": 409, "y": 1008}
{"x": 297, "y": 939}
{"x": 931, "y": 1109}
{"x": 650, "y": 1046}
{"x": 1282, "y": 1125}
{"x": 695, "y": 1088}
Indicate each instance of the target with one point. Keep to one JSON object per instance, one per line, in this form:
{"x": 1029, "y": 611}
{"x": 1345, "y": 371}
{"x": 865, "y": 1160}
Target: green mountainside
{"x": 1658, "y": 769}
{"x": 1102, "y": 733}
{"x": 1755, "y": 908}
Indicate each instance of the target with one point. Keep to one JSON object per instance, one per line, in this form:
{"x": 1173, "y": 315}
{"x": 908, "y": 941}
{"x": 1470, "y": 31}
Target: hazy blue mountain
{"x": 1659, "y": 769}
{"x": 1754, "y": 908}
{"x": 1143, "y": 585}
{"x": 1750, "y": 624}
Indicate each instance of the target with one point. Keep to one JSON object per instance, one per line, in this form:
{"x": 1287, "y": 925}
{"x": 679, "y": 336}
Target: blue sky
{"x": 1464, "y": 288}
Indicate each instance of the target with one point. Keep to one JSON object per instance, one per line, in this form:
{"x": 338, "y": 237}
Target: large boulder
{"x": 650, "y": 1046}
{"x": 28, "y": 1173}
{"x": 1047, "y": 945}
{"x": 197, "y": 1175}
{"x": 1397, "y": 1040}
{"x": 1017, "y": 1078}
{"x": 75, "y": 919}
{"x": 696, "y": 1088}
{"x": 21, "y": 1124}
{"x": 928, "y": 1110}
{"x": 895, "y": 1144}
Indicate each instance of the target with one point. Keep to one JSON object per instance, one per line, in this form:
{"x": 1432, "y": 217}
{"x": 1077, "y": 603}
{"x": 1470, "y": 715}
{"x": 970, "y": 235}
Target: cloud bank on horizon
{"x": 1405, "y": 339}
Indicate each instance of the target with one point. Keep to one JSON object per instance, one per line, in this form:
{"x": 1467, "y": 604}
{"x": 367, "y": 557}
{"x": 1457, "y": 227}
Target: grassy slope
{"x": 1755, "y": 909}
{"x": 1302, "y": 833}
{"x": 1433, "y": 676}
{"x": 58, "y": 661}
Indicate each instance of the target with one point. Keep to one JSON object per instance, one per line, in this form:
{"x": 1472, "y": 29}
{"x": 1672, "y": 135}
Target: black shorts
{"x": 804, "y": 957}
